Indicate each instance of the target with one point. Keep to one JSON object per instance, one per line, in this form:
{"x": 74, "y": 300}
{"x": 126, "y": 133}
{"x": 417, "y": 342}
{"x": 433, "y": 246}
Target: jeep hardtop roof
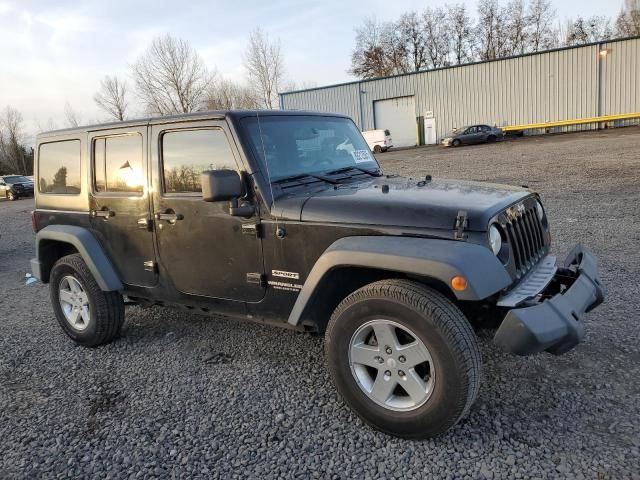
{"x": 205, "y": 115}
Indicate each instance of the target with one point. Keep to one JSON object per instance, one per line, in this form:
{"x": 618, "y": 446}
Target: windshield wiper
{"x": 375, "y": 173}
{"x": 293, "y": 178}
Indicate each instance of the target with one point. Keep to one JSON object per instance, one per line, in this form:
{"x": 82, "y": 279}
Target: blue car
{"x": 472, "y": 135}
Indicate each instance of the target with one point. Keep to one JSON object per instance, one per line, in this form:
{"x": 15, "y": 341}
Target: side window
{"x": 117, "y": 164}
{"x": 187, "y": 153}
{"x": 485, "y": 128}
{"x": 59, "y": 167}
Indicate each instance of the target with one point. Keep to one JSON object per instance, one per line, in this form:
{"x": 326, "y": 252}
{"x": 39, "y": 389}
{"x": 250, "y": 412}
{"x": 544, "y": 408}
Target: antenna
{"x": 264, "y": 156}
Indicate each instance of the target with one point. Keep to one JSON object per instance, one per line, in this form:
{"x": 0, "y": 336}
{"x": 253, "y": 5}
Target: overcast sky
{"x": 56, "y": 51}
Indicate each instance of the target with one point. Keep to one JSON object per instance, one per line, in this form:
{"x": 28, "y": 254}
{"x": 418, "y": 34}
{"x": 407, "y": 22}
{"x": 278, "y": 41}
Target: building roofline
{"x": 511, "y": 57}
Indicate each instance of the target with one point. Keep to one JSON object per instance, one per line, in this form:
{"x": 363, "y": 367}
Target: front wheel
{"x": 11, "y": 196}
{"x": 455, "y": 143}
{"x": 404, "y": 358}
{"x": 377, "y": 149}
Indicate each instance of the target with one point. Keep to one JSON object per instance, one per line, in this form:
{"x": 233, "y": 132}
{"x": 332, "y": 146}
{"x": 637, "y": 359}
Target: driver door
{"x": 202, "y": 248}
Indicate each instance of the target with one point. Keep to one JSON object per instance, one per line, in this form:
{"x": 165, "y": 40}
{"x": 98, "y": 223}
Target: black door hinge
{"x": 257, "y": 279}
{"x": 251, "y": 229}
{"x": 461, "y": 224}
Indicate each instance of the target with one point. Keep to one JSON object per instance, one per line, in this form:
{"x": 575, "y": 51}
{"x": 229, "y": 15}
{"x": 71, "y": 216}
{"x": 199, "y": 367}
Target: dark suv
{"x": 13, "y": 187}
{"x": 287, "y": 218}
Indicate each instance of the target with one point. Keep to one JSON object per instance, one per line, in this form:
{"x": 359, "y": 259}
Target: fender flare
{"x": 438, "y": 259}
{"x": 89, "y": 249}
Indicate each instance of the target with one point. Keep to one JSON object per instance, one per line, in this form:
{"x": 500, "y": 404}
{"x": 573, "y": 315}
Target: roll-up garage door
{"x": 398, "y": 116}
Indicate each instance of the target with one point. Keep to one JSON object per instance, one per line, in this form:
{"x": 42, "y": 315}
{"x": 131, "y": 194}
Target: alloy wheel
{"x": 391, "y": 365}
{"x": 74, "y": 303}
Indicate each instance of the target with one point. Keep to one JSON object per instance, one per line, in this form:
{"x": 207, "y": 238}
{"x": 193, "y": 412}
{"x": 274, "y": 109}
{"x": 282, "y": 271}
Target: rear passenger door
{"x": 484, "y": 131}
{"x": 119, "y": 202}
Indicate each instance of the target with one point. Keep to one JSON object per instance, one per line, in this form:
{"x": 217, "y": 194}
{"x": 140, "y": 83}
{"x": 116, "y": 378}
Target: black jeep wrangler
{"x": 287, "y": 218}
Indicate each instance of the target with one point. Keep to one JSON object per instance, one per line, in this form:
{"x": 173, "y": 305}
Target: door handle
{"x": 170, "y": 216}
{"x": 104, "y": 213}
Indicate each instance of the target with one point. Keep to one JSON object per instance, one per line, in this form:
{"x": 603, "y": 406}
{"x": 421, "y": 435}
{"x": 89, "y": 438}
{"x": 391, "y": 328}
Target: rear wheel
{"x": 377, "y": 149}
{"x": 88, "y": 315}
{"x": 404, "y": 358}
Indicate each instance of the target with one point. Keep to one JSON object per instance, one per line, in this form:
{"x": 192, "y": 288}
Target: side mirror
{"x": 220, "y": 185}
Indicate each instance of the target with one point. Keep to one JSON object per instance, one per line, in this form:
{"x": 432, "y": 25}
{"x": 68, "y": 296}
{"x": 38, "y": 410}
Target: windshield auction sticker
{"x": 361, "y": 156}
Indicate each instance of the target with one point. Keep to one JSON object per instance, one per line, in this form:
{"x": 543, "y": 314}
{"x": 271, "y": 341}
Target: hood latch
{"x": 461, "y": 224}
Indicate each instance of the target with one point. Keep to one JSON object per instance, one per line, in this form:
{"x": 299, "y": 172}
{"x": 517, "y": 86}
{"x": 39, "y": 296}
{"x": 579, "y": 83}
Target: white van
{"x": 378, "y": 140}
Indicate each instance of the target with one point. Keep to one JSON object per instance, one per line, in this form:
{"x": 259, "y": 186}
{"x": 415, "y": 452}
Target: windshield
{"x": 297, "y": 145}
{"x": 16, "y": 179}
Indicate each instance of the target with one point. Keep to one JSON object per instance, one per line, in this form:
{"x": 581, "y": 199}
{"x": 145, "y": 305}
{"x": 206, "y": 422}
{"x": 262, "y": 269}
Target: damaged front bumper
{"x": 553, "y": 320}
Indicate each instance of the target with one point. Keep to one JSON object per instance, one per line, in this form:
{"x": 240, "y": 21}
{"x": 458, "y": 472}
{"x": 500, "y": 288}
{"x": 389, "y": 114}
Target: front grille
{"x": 526, "y": 238}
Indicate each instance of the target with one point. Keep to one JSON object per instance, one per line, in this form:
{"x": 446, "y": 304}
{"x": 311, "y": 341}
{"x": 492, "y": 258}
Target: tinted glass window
{"x": 187, "y": 153}
{"x": 118, "y": 164}
{"x": 485, "y": 128}
{"x": 59, "y": 167}
{"x": 296, "y": 144}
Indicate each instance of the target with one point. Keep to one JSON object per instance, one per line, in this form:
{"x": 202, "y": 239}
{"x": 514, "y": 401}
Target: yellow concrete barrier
{"x": 576, "y": 121}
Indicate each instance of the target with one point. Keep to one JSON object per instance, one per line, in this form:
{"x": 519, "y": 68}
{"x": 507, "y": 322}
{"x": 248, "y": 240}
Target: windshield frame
{"x": 257, "y": 157}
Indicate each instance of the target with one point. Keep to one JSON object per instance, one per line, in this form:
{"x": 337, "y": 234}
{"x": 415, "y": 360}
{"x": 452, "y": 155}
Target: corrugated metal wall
{"x": 556, "y": 85}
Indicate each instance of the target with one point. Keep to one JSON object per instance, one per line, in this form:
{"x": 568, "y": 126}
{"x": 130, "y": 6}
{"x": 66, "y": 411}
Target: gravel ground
{"x": 187, "y": 396}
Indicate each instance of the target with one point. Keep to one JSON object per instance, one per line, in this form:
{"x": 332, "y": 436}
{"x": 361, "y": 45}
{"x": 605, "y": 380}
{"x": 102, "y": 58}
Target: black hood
{"x": 403, "y": 202}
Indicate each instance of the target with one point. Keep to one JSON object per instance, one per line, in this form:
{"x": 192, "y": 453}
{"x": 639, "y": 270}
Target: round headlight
{"x": 495, "y": 239}
{"x": 539, "y": 211}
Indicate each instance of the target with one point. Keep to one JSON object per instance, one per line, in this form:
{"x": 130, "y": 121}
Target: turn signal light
{"x": 458, "y": 283}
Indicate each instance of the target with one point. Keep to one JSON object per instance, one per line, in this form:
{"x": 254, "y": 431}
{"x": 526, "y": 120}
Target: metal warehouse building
{"x": 567, "y": 84}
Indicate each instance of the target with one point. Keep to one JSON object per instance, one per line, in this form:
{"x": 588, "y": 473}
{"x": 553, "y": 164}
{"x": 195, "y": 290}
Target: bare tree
{"x": 460, "y": 29}
{"x": 12, "y": 150}
{"x": 112, "y": 97}
{"x": 516, "y": 28}
{"x": 171, "y": 77}
{"x": 541, "y": 34}
{"x": 491, "y": 30}
{"x": 437, "y": 37}
{"x": 377, "y": 52}
{"x": 227, "y": 95}
{"x": 265, "y": 67}
{"x": 628, "y": 20}
{"x": 71, "y": 116}
{"x": 593, "y": 29}
{"x": 412, "y": 35}
{"x": 45, "y": 126}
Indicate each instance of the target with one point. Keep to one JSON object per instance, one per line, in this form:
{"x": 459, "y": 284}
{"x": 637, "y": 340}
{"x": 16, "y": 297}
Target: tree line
{"x": 15, "y": 156}
{"x": 171, "y": 77}
{"x": 444, "y": 36}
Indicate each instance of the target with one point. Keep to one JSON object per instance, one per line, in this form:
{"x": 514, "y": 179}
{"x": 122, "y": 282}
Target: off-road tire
{"x": 106, "y": 308}
{"x": 455, "y": 143}
{"x": 444, "y": 330}
{"x": 377, "y": 149}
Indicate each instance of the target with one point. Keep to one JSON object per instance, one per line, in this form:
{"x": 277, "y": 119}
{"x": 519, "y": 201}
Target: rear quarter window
{"x": 59, "y": 167}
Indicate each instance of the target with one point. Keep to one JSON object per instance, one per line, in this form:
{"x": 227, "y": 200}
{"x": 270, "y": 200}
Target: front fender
{"x": 87, "y": 246}
{"x": 438, "y": 259}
